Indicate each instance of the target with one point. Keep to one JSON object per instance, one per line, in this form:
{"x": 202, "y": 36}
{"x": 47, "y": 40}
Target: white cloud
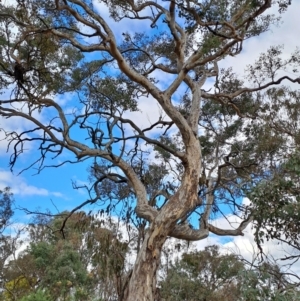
{"x": 246, "y": 247}
{"x": 58, "y": 194}
{"x": 149, "y": 113}
{"x": 19, "y": 186}
{"x": 124, "y": 25}
{"x": 25, "y": 189}
{"x": 64, "y": 99}
{"x": 9, "y": 2}
{"x": 284, "y": 34}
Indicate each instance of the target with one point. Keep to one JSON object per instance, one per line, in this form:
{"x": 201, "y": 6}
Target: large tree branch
{"x": 81, "y": 150}
{"x": 185, "y": 232}
{"x": 233, "y": 232}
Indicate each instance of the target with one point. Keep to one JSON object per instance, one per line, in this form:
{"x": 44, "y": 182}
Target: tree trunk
{"x": 142, "y": 283}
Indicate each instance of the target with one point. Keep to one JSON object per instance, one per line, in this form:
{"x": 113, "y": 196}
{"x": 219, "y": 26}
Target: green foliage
{"x": 213, "y": 276}
{"x": 8, "y": 244}
{"x": 18, "y": 287}
{"x": 39, "y": 295}
{"x": 266, "y": 282}
{"x": 113, "y": 94}
{"x": 6, "y": 212}
{"x": 88, "y": 261}
{"x": 204, "y": 274}
{"x": 42, "y": 55}
{"x": 79, "y": 258}
{"x": 276, "y": 204}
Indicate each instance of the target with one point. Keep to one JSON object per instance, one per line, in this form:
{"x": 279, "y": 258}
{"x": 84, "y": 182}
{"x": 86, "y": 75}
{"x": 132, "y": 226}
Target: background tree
{"x": 280, "y": 194}
{"x": 6, "y": 211}
{"x": 217, "y": 136}
{"x": 204, "y": 275}
{"x": 84, "y": 262}
{"x": 210, "y": 275}
{"x": 9, "y": 242}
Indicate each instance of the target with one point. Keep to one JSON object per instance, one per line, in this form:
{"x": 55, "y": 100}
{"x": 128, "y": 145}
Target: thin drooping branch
{"x": 231, "y": 96}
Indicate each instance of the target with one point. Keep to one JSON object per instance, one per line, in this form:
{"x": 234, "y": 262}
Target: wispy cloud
{"x": 19, "y": 186}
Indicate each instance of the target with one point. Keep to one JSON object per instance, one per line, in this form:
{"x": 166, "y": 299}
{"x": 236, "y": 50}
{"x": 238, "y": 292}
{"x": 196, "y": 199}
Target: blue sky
{"x": 54, "y": 185}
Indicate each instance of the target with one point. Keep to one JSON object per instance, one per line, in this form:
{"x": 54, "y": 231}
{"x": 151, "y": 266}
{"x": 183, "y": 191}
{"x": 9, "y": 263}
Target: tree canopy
{"x": 87, "y": 263}
{"x": 211, "y": 275}
{"x": 218, "y": 137}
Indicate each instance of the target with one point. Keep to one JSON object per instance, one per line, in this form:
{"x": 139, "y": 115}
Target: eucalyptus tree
{"x": 203, "y": 275}
{"x": 8, "y": 244}
{"x": 215, "y": 136}
{"x": 211, "y": 275}
{"x": 84, "y": 261}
